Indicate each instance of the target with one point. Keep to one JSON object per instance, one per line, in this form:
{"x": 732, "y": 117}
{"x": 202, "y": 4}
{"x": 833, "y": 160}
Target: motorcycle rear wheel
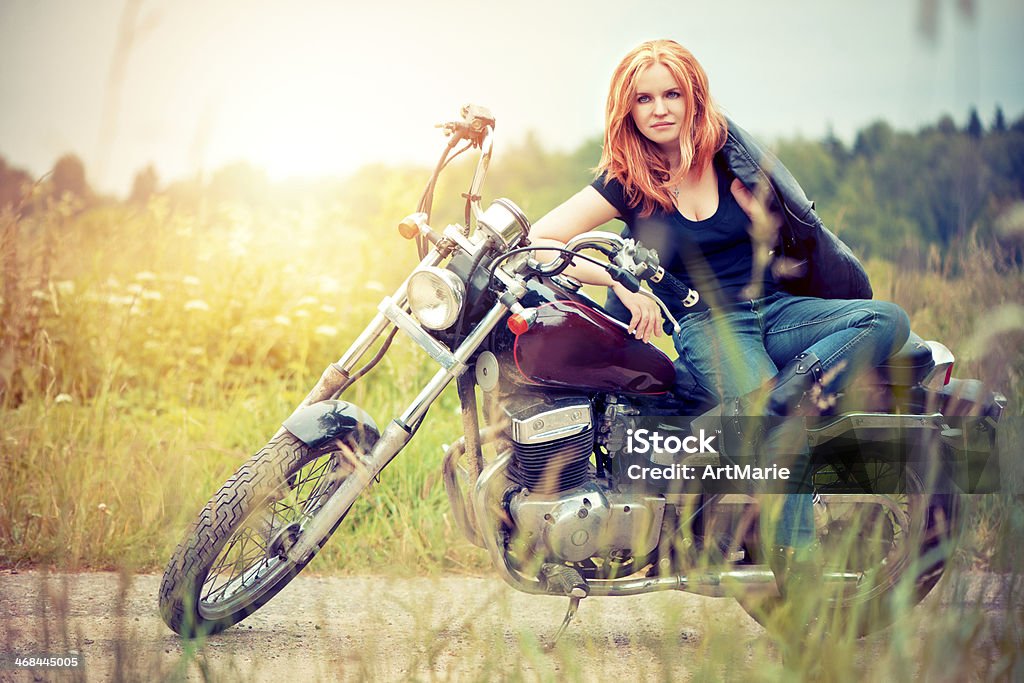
{"x": 233, "y": 559}
{"x": 916, "y": 558}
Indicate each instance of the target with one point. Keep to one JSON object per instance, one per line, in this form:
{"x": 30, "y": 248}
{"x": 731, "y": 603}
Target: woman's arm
{"x": 584, "y": 211}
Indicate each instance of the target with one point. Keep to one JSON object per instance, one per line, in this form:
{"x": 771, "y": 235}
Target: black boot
{"x": 795, "y": 385}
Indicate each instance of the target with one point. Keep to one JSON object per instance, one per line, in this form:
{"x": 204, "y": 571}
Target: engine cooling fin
{"x": 555, "y": 466}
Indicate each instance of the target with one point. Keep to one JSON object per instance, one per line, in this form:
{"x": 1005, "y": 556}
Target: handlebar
{"x": 688, "y": 297}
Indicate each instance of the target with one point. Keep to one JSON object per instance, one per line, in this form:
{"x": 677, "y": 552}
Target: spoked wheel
{"x": 236, "y": 556}
{"x": 886, "y": 539}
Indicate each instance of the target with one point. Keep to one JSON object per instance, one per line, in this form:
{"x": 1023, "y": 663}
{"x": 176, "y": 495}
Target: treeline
{"x": 939, "y": 185}
{"x": 936, "y": 186}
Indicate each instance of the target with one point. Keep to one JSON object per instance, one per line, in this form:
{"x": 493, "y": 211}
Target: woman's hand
{"x": 646, "y": 320}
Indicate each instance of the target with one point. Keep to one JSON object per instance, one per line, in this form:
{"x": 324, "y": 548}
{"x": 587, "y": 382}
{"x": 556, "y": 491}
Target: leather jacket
{"x": 819, "y": 263}
{"x": 825, "y": 266}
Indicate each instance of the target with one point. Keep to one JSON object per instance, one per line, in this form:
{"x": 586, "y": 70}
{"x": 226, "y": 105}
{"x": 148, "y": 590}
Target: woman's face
{"x": 658, "y": 110}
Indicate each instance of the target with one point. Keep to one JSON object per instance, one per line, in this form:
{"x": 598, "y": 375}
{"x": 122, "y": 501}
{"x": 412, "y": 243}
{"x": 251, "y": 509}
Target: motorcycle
{"x": 564, "y": 392}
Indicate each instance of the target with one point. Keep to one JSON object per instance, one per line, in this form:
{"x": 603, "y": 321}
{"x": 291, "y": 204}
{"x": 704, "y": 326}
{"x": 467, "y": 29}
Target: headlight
{"x": 436, "y": 297}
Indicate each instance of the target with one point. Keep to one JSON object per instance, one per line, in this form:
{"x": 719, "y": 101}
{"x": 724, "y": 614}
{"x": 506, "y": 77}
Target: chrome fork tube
{"x": 418, "y": 408}
{"x": 380, "y": 323}
{"x": 337, "y": 375}
{"x": 396, "y": 435}
{"x": 368, "y": 466}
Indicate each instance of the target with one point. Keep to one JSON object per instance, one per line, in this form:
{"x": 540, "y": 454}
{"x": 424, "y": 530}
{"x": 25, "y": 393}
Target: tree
{"x": 974, "y": 128}
{"x": 13, "y": 182}
{"x": 946, "y": 125}
{"x": 999, "y": 121}
{"x": 68, "y": 178}
{"x": 873, "y": 140}
{"x": 144, "y": 186}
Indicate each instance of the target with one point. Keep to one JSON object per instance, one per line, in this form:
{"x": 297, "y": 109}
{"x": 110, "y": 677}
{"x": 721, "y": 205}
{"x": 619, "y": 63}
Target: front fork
{"x": 400, "y": 430}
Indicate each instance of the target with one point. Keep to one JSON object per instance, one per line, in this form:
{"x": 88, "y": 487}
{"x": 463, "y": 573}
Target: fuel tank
{"x": 575, "y": 345}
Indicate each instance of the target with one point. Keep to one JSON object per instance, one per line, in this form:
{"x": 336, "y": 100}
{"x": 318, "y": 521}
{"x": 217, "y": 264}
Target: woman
{"x": 690, "y": 183}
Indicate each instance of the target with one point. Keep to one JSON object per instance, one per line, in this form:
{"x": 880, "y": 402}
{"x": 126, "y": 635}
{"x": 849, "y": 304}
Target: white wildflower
{"x": 63, "y": 398}
{"x": 301, "y": 313}
{"x": 282, "y": 320}
{"x": 102, "y": 507}
{"x": 308, "y": 301}
{"x": 190, "y": 280}
{"x": 134, "y": 288}
{"x": 66, "y": 287}
{"x": 145, "y": 276}
{"x": 328, "y": 285}
{"x": 197, "y": 305}
{"x": 119, "y": 300}
{"x": 39, "y": 294}
{"x": 152, "y": 295}
{"x": 326, "y": 331}
{"x": 327, "y": 308}
{"x": 113, "y": 282}
{"x": 373, "y": 286}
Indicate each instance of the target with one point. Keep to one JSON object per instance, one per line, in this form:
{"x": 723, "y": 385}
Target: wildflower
{"x": 39, "y": 294}
{"x": 145, "y": 276}
{"x": 326, "y": 331}
{"x": 190, "y": 280}
{"x": 196, "y": 351}
{"x": 152, "y": 295}
{"x": 373, "y": 286}
{"x": 308, "y": 301}
{"x": 63, "y": 398}
{"x": 66, "y": 287}
{"x": 327, "y": 308}
{"x": 113, "y": 282}
{"x": 197, "y": 305}
{"x": 119, "y": 300}
{"x": 328, "y": 285}
{"x": 301, "y": 313}
{"x": 134, "y": 288}
{"x": 102, "y": 507}
{"x": 282, "y": 320}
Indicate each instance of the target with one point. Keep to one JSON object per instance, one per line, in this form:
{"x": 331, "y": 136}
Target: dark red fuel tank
{"x": 572, "y": 345}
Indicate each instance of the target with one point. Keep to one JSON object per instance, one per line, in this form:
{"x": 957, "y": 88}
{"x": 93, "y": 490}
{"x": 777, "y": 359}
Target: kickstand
{"x": 574, "y": 604}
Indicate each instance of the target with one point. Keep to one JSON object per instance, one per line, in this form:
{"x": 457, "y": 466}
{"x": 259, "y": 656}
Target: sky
{"x": 320, "y": 87}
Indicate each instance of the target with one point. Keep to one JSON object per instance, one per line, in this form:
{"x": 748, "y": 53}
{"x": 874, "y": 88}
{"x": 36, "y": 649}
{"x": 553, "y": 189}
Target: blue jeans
{"x": 734, "y": 352}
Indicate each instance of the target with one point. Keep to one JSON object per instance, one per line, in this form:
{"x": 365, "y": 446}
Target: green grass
{"x": 148, "y": 352}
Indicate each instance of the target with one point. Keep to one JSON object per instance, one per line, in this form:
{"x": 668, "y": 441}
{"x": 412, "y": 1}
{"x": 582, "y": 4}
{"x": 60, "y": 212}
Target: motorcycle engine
{"x": 552, "y": 439}
{"x": 561, "y": 511}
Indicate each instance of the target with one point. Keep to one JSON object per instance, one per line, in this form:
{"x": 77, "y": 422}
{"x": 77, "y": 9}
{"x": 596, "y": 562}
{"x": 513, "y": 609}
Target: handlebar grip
{"x": 688, "y": 297}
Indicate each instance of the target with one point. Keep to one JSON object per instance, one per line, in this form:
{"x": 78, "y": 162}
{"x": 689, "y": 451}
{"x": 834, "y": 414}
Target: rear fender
{"x": 325, "y": 421}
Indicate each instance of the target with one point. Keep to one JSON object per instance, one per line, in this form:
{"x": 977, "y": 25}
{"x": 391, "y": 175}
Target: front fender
{"x": 325, "y": 421}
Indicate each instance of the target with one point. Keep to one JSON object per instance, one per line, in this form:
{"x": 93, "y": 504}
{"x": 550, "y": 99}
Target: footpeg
{"x": 561, "y": 580}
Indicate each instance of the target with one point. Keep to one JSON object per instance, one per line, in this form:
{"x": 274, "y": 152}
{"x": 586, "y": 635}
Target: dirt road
{"x": 454, "y": 627}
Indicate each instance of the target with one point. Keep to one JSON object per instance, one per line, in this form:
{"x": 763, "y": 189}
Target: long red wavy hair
{"x": 636, "y": 162}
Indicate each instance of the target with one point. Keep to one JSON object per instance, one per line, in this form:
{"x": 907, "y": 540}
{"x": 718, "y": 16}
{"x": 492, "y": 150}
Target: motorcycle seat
{"x": 908, "y": 366}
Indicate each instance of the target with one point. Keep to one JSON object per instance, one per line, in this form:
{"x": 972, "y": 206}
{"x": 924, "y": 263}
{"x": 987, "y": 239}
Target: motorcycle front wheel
{"x": 234, "y": 558}
{"x": 892, "y": 541}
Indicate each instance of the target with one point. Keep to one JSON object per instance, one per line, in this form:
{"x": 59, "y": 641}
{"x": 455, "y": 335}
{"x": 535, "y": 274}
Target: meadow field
{"x": 149, "y": 349}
